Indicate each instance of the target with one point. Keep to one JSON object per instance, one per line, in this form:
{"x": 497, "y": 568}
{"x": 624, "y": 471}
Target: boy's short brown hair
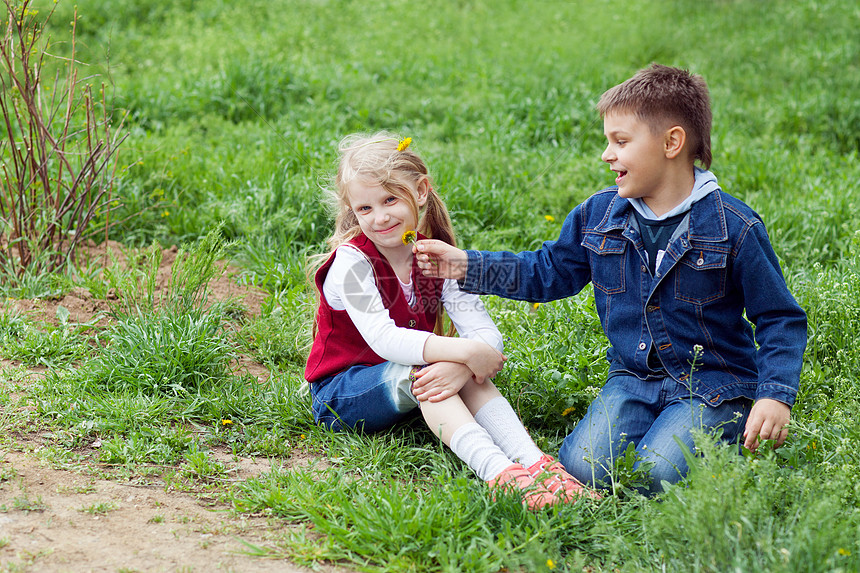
{"x": 664, "y": 96}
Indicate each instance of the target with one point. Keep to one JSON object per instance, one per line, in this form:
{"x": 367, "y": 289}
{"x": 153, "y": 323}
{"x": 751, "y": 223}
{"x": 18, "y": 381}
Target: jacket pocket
{"x": 606, "y": 257}
{"x": 700, "y": 276}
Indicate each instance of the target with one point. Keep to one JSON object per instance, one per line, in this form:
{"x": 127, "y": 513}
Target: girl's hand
{"x": 767, "y": 421}
{"x": 440, "y": 380}
{"x": 439, "y": 259}
{"x": 483, "y": 360}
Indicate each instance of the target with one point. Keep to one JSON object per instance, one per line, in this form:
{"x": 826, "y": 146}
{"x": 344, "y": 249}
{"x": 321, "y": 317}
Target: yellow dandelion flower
{"x": 568, "y": 411}
{"x": 844, "y": 552}
{"x": 165, "y": 214}
{"x": 409, "y": 237}
{"x": 550, "y": 563}
{"x": 535, "y": 305}
{"x": 549, "y": 218}
{"x": 226, "y": 422}
{"x": 404, "y": 144}
{"x": 303, "y": 436}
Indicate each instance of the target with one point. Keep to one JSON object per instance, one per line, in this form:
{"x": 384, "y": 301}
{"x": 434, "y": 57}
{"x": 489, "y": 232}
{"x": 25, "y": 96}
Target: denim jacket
{"x": 718, "y": 266}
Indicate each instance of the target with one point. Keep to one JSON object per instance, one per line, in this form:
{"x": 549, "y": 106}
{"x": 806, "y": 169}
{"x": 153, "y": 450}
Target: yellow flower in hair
{"x": 409, "y": 237}
{"x": 404, "y": 144}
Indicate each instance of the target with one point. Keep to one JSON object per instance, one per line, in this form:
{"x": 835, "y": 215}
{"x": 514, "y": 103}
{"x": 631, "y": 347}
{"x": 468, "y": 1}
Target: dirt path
{"x": 56, "y": 520}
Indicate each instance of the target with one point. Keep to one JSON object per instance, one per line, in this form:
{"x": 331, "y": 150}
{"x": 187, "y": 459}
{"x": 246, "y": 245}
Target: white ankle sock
{"x": 475, "y": 447}
{"x": 504, "y": 426}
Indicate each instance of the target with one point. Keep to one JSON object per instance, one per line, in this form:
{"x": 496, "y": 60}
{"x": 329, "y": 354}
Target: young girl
{"x": 378, "y": 353}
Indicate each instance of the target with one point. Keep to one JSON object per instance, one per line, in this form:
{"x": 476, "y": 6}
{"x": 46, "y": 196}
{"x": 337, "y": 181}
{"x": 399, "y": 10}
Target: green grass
{"x": 234, "y": 115}
{"x": 42, "y": 345}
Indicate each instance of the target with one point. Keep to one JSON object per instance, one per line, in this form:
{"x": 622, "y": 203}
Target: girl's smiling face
{"x": 384, "y": 216}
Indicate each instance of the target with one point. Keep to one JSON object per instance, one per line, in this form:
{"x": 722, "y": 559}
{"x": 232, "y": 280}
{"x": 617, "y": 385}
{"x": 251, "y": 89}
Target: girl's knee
{"x": 476, "y": 395}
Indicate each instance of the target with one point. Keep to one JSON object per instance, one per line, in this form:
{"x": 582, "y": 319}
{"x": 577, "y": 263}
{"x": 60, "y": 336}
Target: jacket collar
{"x": 707, "y": 218}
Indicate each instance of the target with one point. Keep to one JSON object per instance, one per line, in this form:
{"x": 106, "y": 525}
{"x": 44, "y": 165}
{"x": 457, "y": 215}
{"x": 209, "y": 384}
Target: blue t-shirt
{"x": 656, "y": 235}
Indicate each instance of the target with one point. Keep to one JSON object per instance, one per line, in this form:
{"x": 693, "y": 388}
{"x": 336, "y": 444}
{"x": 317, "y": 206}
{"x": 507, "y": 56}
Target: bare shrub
{"x": 58, "y": 154}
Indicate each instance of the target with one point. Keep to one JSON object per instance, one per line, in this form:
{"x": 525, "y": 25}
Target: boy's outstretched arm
{"x": 767, "y": 421}
{"x": 439, "y": 259}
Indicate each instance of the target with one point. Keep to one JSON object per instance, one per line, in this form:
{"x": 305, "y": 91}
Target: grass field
{"x": 234, "y": 113}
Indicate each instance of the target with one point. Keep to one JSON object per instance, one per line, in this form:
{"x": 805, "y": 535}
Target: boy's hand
{"x": 439, "y": 259}
{"x": 767, "y": 421}
{"x": 440, "y": 380}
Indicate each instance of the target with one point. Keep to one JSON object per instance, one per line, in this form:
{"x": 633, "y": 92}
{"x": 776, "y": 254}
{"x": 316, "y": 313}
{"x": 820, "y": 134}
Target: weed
{"x": 7, "y": 473}
{"x": 77, "y": 489}
{"x": 163, "y": 353}
{"x": 162, "y": 446}
{"x": 200, "y": 466}
{"x": 12, "y": 324}
{"x": 51, "y": 346}
{"x": 25, "y": 504}
{"x": 99, "y": 508}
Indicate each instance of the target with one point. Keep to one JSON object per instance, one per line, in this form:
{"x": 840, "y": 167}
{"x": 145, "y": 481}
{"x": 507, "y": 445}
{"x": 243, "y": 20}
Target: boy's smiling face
{"x": 637, "y": 156}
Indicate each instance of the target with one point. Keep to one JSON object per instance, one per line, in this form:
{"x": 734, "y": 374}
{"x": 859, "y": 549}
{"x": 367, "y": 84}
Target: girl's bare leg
{"x": 446, "y": 417}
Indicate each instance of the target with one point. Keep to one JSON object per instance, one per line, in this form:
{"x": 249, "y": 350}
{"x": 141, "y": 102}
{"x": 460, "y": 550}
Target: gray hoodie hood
{"x": 705, "y": 183}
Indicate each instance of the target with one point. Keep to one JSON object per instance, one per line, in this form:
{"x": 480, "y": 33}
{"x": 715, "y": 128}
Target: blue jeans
{"x": 651, "y": 415}
{"x": 369, "y": 398}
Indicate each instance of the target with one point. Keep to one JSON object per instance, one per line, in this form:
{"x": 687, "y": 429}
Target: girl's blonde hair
{"x": 381, "y": 159}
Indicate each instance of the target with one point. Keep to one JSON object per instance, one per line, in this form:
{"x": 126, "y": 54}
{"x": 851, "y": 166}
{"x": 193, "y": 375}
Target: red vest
{"x": 338, "y": 344}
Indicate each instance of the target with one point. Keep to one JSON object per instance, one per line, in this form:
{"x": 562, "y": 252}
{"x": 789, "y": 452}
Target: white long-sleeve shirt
{"x": 350, "y": 285}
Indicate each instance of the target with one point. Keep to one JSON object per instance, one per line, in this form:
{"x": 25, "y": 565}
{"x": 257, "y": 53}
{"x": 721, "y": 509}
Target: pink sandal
{"x": 548, "y": 471}
{"x": 516, "y": 478}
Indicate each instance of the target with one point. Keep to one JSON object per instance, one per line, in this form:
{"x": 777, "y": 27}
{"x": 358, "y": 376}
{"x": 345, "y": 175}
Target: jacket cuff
{"x": 780, "y": 392}
{"x": 474, "y": 272}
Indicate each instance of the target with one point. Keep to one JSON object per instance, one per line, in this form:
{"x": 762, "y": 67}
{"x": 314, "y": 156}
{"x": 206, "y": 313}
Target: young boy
{"x": 679, "y": 267}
